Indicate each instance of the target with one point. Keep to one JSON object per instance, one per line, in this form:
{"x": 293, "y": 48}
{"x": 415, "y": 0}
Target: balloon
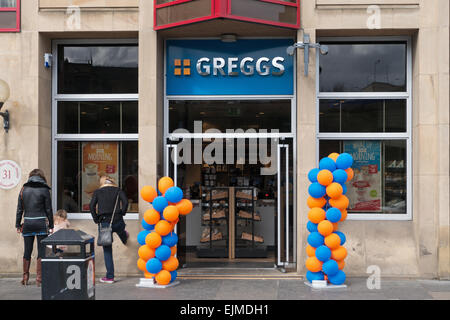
{"x": 171, "y": 264}
{"x": 316, "y": 215}
{"x": 344, "y": 215}
{"x": 342, "y": 236}
{"x": 163, "y": 253}
{"x": 153, "y": 266}
{"x": 334, "y": 215}
{"x": 341, "y": 203}
{"x": 313, "y": 202}
{"x": 350, "y": 174}
{"x": 334, "y": 190}
{"x": 341, "y": 264}
{"x": 174, "y": 275}
{"x": 335, "y": 226}
{"x": 338, "y": 279}
{"x": 174, "y": 194}
{"x": 323, "y": 253}
{"x": 316, "y": 190}
{"x": 327, "y": 164}
{"x": 171, "y": 213}
{"x": 312, "y": 175}
{"x": 313, "y": 264}
{"x": 173, "y": 250}
{"x": 311, "y": 251}
{"x": 141, "y": 237}
{"x": 160, "y": 203}
{"x": 325, "y": 228}
{"x": 163, "y": 278}
{"x": 148, "y": 275}
{"x": 344, "y": 161}
{"x": 146, "y": 253}
{"x": 325, "y": 177}
{"x": 340, "y": 176}
{"x": 184, "y": 207}
{"x": 141, "y": 264}
{"x": 164, "y": 184}
{"x": 170, "y": 240}
{"x": 312, "y": 227}
{"x": 334, "y": 156}
{"x": 163, "y": 228}
{"x": 315, "y": 239}
{"x": 153, "y": 240}
{"x": 314, "y": 276}
{"x": 339, "y": 254}
{"x": 147, "y": 226}
{"x": 148, "y": 194}
{"x": 330, "y": 268}
{"x": 333, "y": 241}
{"x": 152, "y": 216}
{"x": 344, "y": 187}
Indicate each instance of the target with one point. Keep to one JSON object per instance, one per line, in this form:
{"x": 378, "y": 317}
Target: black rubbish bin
{"x": 68, "y": 268}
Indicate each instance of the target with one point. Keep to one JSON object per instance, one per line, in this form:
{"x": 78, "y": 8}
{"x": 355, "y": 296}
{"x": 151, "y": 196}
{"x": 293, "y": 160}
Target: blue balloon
{"x": 316, "y": 190}
{"x": 334, "y": 215}
{"x": 147, "y": 226}
{"x": 141, "y": 237}
{"x": 344, "y": 161}
{"x": 159, "y": 204}
{"x": 153, "y": 266}
{"x": 342, "y": 236}
{"x": 163, "y": 253}
{"x": 337, "y": 279}
{"x": 327, "y": 164}
{"x": 173, "y": 275}
{"x": 344, "y": 188}
{"x": 312, "y": 227}
{"x": 323, "y": 253}
{"x": 330, "y": 268}
{"x": 174, "y": 195}
{"x": 340, "y": 176}
{"x": 312, "y": 175}
{"x": 316, "y": 240}
{"x": 170, "y": 240}
{"x": 315, "y": 276}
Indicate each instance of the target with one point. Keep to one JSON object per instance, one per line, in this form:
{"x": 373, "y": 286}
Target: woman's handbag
{"x": 105, "y": 236}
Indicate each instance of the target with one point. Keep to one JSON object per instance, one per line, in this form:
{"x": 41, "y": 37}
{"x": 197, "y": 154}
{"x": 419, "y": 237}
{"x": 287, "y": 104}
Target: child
{"x": 61, "y": 222}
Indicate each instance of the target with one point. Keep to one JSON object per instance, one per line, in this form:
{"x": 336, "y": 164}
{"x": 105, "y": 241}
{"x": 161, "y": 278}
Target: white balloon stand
{"x": 321, "y": 284}
{"x": 151, "y": 283}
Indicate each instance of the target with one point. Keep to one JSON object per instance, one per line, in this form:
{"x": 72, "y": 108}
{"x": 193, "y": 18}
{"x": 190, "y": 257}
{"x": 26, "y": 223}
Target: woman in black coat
{"x": 101, "y": 207}
{"x": 35, "y": 205}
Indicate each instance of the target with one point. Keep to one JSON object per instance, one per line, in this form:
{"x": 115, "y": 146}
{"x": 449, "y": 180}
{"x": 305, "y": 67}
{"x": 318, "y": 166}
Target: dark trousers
{"x": 29, "y": 242}
{"x": 119, "y": 228}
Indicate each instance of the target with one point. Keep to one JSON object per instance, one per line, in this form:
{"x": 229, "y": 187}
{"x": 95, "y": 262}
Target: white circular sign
{"x": 10, "y": 174}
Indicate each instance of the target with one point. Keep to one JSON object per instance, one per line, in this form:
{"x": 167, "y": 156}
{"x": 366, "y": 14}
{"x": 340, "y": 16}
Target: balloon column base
{"x": 324, "y": 285}
{"x": 150, "y": 283}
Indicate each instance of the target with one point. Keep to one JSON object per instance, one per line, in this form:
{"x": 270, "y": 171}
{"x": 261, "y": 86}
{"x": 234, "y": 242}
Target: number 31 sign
{"x": 10, "y": 174}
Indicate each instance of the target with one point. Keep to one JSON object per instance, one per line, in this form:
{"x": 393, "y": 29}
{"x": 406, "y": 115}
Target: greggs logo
{"x": 231, "y": 67}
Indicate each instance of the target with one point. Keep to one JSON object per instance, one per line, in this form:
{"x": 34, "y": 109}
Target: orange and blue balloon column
{"x": 158, "y": 241}
{"x": 328, "y": 205}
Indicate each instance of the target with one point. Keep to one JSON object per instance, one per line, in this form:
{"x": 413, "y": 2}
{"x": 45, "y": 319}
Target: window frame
{"x": 57, "y": 137}
{"x": 17, "y": 10}
{"x": 406, "y": 136}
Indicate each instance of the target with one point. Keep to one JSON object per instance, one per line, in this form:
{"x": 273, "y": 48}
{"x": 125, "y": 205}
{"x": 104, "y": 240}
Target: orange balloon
{"x": 148, "y": 193}
{"x": 334, "y": 156}
{"x": 339, "y": 254}
{"x": 341, "y": 264}
{"x": 313, "y": 264}
{"x": 350, "y": 174}
{"x": 335, "y": 226}
{"x": 141, "y": 264}
{"x": 325, "y": 228}
{"x": 325, "y": 177}
{"x": 316, "y": 215}
{"x": 344, "y": 215}
{"x": 171, "y": 264}
{"x": 151, "y": 216}
{"x": 163, "y": 277}
{"x": 163, "y": 228}
{"x": 164, "y": 184}
{"x": 171, "y": 213}
{"x": 333, "y": 241}
{"x": 184, "y": 207}
{"x": 146, "y": 253}
{"x": 334, "y": 190}
{"x": 316, "y": 203}
{"x": 148, "y": 275}
{"x": 173, "y": 250}
{"x": 153, "y": 240}
{"x": 310, "y": 251}
{"x": 341, "y": 203}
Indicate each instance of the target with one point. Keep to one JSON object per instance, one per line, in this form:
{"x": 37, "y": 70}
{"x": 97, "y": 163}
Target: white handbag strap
{"x": 114, "y": 211}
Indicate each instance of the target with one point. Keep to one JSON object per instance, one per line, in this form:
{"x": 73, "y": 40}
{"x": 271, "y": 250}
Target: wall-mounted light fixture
{"x": 306, "y": 45}
{"x": 4, "y": 95}
{"x": 228, "y": 37}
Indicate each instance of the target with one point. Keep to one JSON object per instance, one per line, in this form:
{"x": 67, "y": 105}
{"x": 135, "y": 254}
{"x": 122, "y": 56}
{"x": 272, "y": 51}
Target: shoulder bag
{"x": 105, "y": 236}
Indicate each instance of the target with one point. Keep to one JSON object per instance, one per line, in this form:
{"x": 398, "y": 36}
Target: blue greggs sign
{"x": 245, "y": 67}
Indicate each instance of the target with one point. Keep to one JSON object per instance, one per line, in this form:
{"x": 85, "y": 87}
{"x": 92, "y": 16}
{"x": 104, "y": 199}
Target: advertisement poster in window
{"x": 365, "y": 191}
{"x": 98, "y": 159}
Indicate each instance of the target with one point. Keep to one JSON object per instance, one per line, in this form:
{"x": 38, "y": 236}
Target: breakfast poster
{"x": 98, "y": 158}
{"x": 365, "y": 190}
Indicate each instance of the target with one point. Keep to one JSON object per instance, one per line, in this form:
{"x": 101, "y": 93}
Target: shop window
{"x": 364, "y": 107}
{"x": 9, "y": 15}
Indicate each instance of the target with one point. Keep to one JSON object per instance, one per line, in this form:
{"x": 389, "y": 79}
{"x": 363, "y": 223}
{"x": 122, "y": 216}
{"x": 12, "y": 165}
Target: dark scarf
{"x": 36, "y": 182}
